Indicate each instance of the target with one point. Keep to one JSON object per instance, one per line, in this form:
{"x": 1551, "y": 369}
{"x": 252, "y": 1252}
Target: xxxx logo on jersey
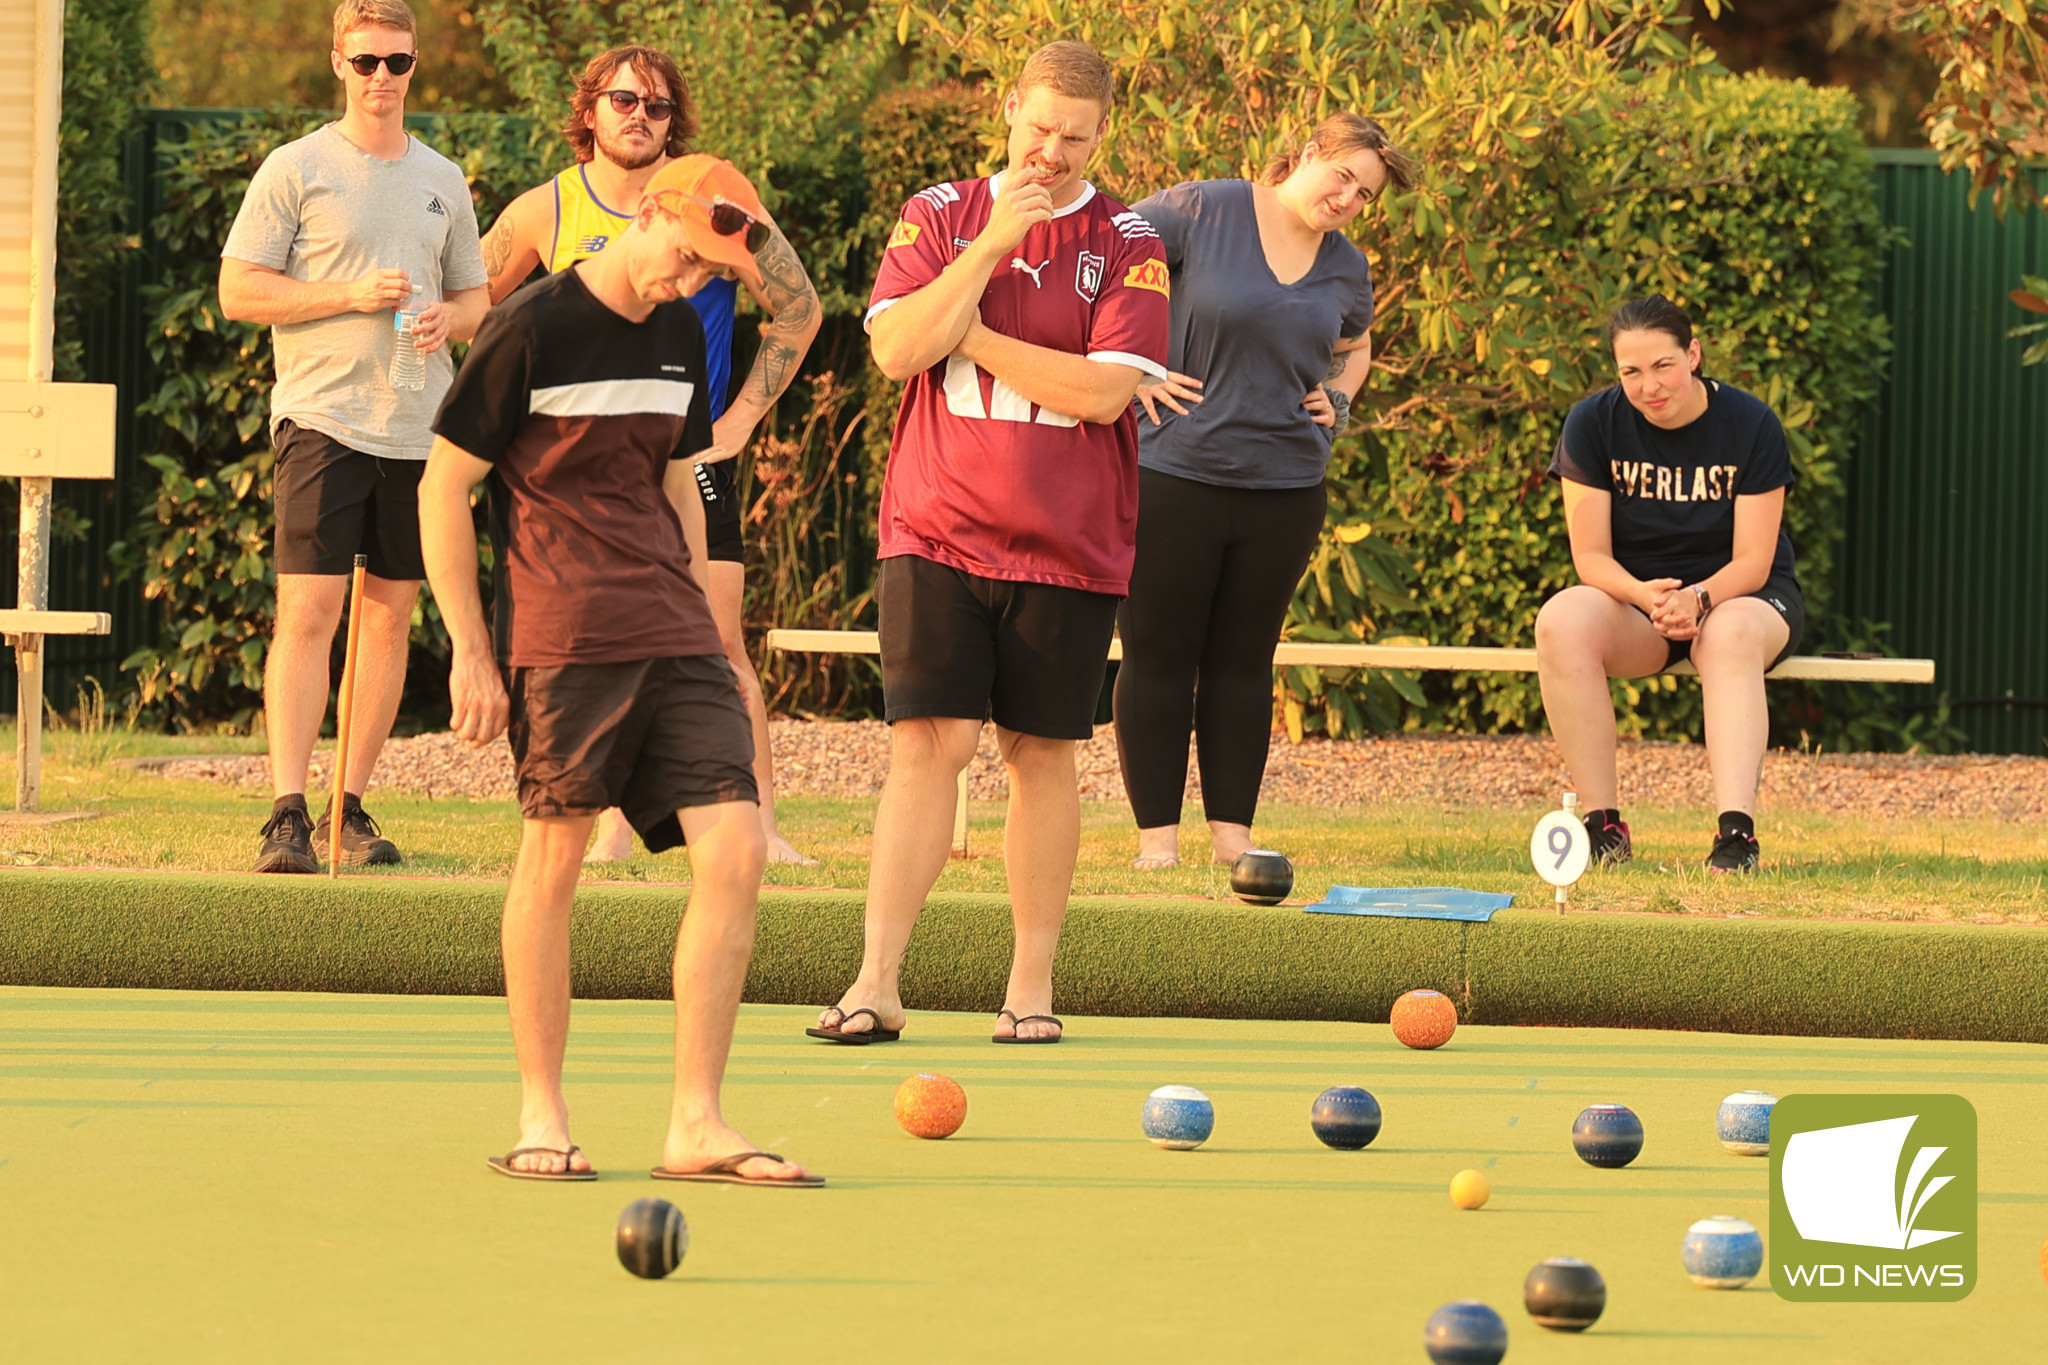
{"x": 904, "y": 235}
{"x": 1150, "y": 275}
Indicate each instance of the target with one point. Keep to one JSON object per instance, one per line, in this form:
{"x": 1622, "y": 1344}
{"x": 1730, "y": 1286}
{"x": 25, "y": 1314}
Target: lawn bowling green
{"x": 256, "y": 1177}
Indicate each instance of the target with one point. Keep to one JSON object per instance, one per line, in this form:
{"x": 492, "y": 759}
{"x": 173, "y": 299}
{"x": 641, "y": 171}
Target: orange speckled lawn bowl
{"x": 1424, "y": 1019}
{"x": 931, "y": 1106}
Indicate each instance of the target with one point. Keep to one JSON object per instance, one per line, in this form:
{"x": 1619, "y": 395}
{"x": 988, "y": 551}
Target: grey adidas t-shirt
{"x": 324, "y": 211}
{"x": 1257, "y": 345}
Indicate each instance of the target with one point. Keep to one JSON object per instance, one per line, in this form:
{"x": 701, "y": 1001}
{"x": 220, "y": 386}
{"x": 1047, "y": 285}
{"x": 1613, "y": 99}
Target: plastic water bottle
{"x": 408, "y": 367}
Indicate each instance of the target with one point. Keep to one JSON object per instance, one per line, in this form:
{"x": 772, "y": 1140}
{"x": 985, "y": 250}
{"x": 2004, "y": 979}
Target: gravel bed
{"x": 825, "y": 758}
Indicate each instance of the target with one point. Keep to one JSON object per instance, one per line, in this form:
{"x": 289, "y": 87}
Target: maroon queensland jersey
{"x": 981, "y": 479}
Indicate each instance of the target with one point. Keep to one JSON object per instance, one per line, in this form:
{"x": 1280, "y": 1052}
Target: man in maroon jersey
{"x": 1024, "y": 310}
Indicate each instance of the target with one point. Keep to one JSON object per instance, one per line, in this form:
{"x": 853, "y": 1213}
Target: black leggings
{"x": 1216, "y": 569}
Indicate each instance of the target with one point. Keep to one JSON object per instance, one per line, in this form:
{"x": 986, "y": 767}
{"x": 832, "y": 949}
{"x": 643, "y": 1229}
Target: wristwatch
{"x": 1706, "y": 598}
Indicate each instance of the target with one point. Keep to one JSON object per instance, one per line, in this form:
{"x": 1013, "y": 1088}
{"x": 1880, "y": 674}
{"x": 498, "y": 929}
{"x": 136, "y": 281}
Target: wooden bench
{"x": 1420, "y": 658}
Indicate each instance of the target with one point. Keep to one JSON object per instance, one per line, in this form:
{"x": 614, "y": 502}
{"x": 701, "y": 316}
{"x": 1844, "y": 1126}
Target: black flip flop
{"x": 1016, "y": 1022}
{"x": 877, "y": 1034}
{"x": 725, "y": 1171}
{"x": 503, "y": 1165}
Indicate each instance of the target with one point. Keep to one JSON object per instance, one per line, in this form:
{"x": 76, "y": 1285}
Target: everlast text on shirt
{"x": 1662, "y": 483}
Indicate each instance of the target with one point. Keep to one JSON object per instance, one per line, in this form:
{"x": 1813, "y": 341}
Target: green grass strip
{"x": 1119, "y": 956}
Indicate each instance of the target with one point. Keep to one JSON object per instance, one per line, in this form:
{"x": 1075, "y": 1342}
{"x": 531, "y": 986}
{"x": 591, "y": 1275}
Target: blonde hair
{"x": 1074, "y": 70}
{"x": 1341, "y": 134}
{"x": 351, "y": 15}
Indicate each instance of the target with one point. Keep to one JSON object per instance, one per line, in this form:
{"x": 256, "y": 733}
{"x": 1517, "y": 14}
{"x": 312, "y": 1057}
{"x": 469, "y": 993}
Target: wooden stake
{"x": 344, "y": 715}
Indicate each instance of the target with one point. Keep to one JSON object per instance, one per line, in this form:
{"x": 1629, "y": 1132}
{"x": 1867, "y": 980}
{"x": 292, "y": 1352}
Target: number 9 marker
{"x": 1560, "y": 848}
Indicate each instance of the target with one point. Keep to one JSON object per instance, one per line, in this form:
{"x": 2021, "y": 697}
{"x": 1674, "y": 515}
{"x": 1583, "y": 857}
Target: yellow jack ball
{"x": 1470, "y": 1190}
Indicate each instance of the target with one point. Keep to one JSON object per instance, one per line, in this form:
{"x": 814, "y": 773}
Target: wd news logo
{"x": 1873, "y": 1198}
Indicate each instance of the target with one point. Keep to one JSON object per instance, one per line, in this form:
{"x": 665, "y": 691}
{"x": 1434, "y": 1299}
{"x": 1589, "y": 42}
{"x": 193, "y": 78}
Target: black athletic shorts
{"x": 1032, "y": 655}
{"x": 720, "y": 487}
{"x": 334, "y": 503}
{"x": 651, "y": 737}
{"x": 1781, "y": 590}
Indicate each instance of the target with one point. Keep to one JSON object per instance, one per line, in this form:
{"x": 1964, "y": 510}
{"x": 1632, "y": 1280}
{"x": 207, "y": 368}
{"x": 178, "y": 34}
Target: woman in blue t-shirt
{"x": 1271, "y": 306}
{"x": 1674, "y": 498}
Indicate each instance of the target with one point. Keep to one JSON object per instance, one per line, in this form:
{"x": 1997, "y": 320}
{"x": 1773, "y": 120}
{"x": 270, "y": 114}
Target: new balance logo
{"x": 434, "y": 206}
{"x": 590, "y": 246}
{"x": 1017, "y": 263}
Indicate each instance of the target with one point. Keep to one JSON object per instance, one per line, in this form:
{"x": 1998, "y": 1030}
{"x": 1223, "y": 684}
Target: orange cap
{"x": 710, "y": 194}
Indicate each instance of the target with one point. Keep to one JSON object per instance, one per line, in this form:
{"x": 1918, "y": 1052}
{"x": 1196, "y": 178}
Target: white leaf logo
{"x": 1839, "y": 1184}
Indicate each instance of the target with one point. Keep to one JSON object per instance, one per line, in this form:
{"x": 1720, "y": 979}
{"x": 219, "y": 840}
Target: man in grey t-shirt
{"x": 340, "y": 231}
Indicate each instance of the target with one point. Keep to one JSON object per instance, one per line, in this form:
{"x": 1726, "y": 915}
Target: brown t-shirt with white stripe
{"x": 580, "y": 412}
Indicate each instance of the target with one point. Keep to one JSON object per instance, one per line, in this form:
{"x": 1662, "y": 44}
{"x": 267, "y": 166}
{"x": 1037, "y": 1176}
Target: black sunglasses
{"x": 625, "y": 102}
{"x": 398, "y": 63}
{"x": 729, "y": 220}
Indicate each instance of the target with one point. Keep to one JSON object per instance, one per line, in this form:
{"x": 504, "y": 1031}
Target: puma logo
{"x": 1032, "y": 270}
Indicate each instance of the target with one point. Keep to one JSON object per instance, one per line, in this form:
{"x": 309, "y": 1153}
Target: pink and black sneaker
{"x": 1607, "y": 837}
{"x": 1734, "y": 851}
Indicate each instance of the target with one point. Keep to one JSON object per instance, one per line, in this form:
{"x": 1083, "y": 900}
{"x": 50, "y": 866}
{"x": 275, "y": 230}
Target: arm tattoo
{"x": 498, "y": 246}
{"x": 793, "y": 304}
{"x": 1337, "y": 363}
{"x": 1340, "y": 403}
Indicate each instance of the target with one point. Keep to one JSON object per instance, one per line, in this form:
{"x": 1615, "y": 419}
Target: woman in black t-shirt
{"x": 1674, "y": 498}
{"x": 1270, "y": 343}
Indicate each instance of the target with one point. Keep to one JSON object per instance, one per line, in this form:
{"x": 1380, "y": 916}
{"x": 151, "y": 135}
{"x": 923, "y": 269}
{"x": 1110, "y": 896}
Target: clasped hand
{"x": 1674, "y": 608}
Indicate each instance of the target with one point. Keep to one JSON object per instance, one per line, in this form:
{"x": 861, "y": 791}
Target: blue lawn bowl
{"x": 1743, "y": 1122}
{"x": 1465, "y": 1333}
{"x": 1345, "y": 1117}
{"x": 1178, "y": 1117}
{"x": 1723, "y": 1253}
{"x": 1608, "y": 1135}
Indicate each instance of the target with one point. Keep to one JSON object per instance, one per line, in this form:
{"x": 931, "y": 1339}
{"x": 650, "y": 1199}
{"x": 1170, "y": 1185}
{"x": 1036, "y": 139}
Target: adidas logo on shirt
{"x": 434, "y": 206}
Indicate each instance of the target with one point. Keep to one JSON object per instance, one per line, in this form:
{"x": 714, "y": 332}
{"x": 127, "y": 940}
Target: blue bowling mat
{"x": 1413, "y": 902}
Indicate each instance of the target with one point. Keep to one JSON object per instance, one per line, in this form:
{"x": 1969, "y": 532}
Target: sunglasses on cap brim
{"x": 397, "y": 63}
{"x": 730, "y": 220}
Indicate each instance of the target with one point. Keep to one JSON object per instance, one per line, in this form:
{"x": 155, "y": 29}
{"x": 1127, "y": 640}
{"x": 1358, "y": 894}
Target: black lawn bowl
{"x": 1261, "y": 877}
{"x": 1564, "y": 1294}
{"x": 652, "y": 1238}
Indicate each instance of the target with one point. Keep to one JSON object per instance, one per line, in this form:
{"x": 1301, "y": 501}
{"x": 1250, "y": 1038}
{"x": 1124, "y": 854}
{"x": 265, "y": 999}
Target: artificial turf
{"x": 252, "y": 1177}
{"x": 1166, "y": 956}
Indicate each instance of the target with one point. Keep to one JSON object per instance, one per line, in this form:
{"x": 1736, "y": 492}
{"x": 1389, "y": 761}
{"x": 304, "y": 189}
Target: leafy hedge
{"x": 1576, "y": 154}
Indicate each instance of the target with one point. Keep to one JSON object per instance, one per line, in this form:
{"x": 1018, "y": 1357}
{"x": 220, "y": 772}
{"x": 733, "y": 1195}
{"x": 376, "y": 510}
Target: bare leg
{"x": 380, "y": 672}
{"x": 1583, "y": 638}
{"x": 1735, "y": 646}
{"x": 613, "y": 840}
{"x": 535, "y": 939}
{"x": 295, "y": 674}
{"x": 727, "y": 850}
{"x": 727, "y": 584}
{"x": 1227, "y": 841}
{"x": 913, "y": 835}
{"x": 1041, "y": 841}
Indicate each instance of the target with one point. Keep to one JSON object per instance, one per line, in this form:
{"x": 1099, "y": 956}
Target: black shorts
{"x": 1781, "y": 590}
{"x": 334, "y": 503}
{"x": 959, "y": 645}
{"x": 651, "y": 737}
{"x": 720, "y": 487}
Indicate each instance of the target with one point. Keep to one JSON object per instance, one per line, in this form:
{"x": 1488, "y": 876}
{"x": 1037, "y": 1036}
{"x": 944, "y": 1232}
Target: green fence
{"x": 1948, "y": 494}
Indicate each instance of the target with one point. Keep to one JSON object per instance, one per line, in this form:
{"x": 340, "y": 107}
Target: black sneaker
{"x": 361, "y": 843}
{"x": 288, "y": 842}
{"x": 1734, "y": 852}
{"x": 1608, "y": 841}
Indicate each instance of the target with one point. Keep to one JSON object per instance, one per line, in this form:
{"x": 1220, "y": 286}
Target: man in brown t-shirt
{"x": 583, "y": 401}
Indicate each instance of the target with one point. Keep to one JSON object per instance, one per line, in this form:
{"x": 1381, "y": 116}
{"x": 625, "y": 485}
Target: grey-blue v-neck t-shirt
{"x": 1257, "y": 345}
